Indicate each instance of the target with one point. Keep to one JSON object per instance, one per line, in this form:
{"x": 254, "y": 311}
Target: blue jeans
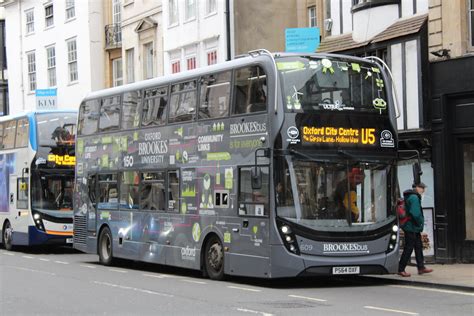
{"x": 412, "y": 241}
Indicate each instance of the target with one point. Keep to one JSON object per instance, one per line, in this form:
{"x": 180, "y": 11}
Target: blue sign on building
{"x": 46, "y": 99}
{"x": 302, "y": 40}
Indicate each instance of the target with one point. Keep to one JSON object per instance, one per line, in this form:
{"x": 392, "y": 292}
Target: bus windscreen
{"x": 315, "y": 84}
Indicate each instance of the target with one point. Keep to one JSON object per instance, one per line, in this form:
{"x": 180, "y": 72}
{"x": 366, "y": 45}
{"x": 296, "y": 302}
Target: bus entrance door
{"x": 92, "y": 203}
{"x": 19, "y": 214}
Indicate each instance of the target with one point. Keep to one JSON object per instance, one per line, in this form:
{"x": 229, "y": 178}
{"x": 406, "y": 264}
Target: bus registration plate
{"x": 345, "y": 270}
{"x": 68, "y": 240}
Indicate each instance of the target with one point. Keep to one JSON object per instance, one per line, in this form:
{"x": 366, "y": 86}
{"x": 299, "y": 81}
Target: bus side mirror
{"x": 256, "y": 175}
{"x": 417, "y": 173}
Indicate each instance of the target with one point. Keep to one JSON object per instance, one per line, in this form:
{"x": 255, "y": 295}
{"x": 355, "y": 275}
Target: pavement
{"x": 447, "y": 276}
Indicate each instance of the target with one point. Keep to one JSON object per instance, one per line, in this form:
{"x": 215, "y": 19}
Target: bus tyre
{"x": 214, "y": 259}
{"x": 105, "y": 247}
{"x": 7, "y": 236}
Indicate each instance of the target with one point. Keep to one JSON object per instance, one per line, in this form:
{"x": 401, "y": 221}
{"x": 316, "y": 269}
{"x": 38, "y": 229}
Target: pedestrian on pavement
{"x": 412, "y": 230}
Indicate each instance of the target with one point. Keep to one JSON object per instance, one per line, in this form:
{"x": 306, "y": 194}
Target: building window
{"x": 72, "y": 60}
{"x": 148, "y": 60}
{"x": 173, "y": 13}
{"x": 175, "y": 67}
{"x": 30, "y": 21}
{"x": 191, "y": 62}
{"x": 49, "y": 15}
{"x": 117, "y": 74}
{"x": 190, "y": 10}
{"x": 212, "y": 57}
{"x": 31, "y": 58}
{"x": 51, "y": 61}
{"x": 211, "y": 6}
{"x": 117, "y": 11}
{"x": 130, "y": 65}
{"x": 70, "y": 9}
{"x": 312, "y": 16}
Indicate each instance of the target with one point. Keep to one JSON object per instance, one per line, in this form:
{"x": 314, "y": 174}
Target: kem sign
{"x": 46, "y": 99}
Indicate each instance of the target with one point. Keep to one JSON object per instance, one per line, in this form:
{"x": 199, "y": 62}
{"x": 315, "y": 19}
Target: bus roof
{"x": 239, "y": 61}
{"x": 30, "y": 114}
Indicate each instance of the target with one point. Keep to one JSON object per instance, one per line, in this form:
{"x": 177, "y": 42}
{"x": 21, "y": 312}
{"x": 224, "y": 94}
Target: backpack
{"x": 403, "y": 216}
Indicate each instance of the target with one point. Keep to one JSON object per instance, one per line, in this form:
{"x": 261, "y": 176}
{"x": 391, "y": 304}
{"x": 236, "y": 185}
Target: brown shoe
{"x": 404, "y": 274}
{"x": 425, "y": 270}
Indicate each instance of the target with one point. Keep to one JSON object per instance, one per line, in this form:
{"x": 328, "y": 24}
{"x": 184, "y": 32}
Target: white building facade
{"x": 194, "y": 34}
{"x": 53, "y": 45}
{"x": 142, "y": 40}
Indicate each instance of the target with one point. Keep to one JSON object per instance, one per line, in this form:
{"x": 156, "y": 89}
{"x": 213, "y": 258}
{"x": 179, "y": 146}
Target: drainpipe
{"x": 21, "y": 60}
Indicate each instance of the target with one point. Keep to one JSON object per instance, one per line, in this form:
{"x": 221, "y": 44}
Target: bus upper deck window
{"x": 9, "y": 135}
{"x": 110, "y": 114}
{"x": 131, "y": 109}
{"x": 154, "y": 107}
{"x": 215, "y": 95}
{"x": 183, "y": 101}
{"x": 89, "y": 117}
{"x": 250, "y": 90}
{"x": 22, "y": 133}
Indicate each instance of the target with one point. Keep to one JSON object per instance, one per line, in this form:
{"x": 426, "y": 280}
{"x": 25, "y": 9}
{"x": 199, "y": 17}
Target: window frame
{"x": 122, "y": 185}
{"x": 31, "y": 68}
{"x": 230, "y": 106}
{"x": 266, "y": 212}
{"x": 119, "y": 123}
{"x": 30, "y": 25}
{"x": 470, "y": 13}
{"x": 117, "y": 64}
{"x": 140, "y": 97}
{"x": 148, "y": 68}
{"x": 25, "y": 136}
{"x": 312, "y": 16}
{"x": 80, "y": 120}
{"x": 5, "y": 126}
{"x": 51, "y": 65}
{"x": 180, "y": 93}
{"x": 72, "y": 60}
{"x": 22, "y": 204}
{"x": 187, "y": 11}
{"x": 143, "y": 182}
{"x": 177, "y": 63}
{"x": 48, "y": 17}
{"x": 175, "y": 15}
{"x": 208, "y": 6}
{"x": 144, "y": 99}
{"x": 192, "y": 59}
{"x": 233, "y": 104}
{"x": 98, "y": 188}
{"x": 209, "y": 54}
{"x": 70, "y": 7}
{"x": 129, "y": 59}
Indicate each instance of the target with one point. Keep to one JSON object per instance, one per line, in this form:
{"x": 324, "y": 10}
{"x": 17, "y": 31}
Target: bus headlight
{"x": 36, "y": 216}
{"x": 395, "y": 228}
{"x": 288, "y": 237}
{"x": 38, "y": 221}
{"x": 285, "y": 229}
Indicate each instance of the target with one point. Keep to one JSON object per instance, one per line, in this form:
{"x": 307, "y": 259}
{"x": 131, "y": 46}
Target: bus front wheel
{"x": 7, "y": 236}
{"x": 105, "y": 247}
{"x": 214, "y": 259}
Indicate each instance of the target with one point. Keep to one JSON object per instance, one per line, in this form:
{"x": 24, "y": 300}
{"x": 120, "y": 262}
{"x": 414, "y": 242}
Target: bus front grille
{"x": 80, "y": 229}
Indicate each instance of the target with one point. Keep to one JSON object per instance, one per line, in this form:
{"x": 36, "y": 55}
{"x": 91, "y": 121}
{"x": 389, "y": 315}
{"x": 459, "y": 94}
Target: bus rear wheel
{"x": 105, "y": 247}
{"x": 7, "y": 236}
{"x": 214, "y": 259}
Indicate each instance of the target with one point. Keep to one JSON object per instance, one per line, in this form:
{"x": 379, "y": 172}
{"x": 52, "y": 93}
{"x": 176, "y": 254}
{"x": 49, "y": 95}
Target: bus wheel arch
{"x": 7, "y": 235}
{"x": 105, "y": 245}
{"x": 212, "y": 257}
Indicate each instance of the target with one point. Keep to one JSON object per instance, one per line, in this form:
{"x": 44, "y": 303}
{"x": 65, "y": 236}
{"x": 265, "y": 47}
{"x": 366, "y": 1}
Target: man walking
{"x": 412, "y": 229}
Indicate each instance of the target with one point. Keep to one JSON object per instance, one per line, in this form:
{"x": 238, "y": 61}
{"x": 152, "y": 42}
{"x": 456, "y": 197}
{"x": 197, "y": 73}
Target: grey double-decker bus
{"x": 269, "y": 165}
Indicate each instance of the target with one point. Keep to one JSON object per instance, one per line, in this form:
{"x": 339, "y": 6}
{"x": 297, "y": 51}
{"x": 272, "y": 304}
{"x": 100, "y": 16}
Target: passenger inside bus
{"x": 348, "y": 200}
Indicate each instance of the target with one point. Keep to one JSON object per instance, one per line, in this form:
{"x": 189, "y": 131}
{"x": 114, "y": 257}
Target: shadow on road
{"x": 284, "y": 283}
{"x": 46, "y": 250}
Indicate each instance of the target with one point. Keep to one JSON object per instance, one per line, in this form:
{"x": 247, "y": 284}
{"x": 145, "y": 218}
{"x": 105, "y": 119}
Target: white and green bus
{"x": 37, "y": 177}
{"x": 269, "y": 165}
